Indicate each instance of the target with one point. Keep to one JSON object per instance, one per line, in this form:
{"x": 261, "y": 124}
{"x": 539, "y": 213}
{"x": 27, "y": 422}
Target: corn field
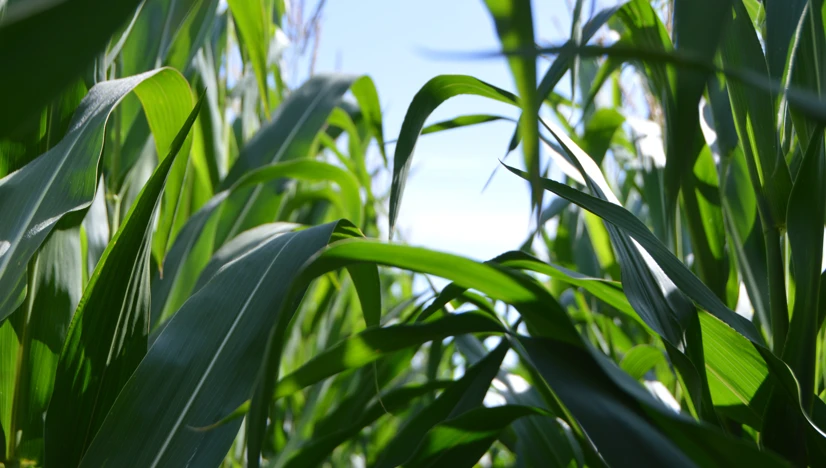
{"x": 201, "y": 269}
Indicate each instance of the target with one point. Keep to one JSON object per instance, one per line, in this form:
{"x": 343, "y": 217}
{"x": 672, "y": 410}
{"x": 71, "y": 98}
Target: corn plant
{"x": 197, "y": 265}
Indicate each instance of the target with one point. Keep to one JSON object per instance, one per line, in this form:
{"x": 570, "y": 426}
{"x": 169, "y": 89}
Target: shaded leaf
{"x": 103, "y": 348}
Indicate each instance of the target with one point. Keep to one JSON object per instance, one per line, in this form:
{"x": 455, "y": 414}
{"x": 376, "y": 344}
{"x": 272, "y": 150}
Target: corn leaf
{"x": 61, "y": 40}
{"x": 206, "y": 349}
{"x": 103, "y": 348}
{"x": 38, "y": 195}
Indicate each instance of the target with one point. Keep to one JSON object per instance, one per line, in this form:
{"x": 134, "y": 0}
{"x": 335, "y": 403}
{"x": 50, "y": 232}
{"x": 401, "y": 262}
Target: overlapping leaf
{"x": 103, "y": 348}
{"x": 64, "y": 178}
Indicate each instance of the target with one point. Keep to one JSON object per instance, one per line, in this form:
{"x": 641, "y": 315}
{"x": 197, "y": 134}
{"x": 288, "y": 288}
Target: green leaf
{"x": 563, "y": 61}
{"x": 32, "y": 140}
{"x": 514, "y": 24}
{"x": 540, "y": 440}
{"x": 170, "y": 103}
{"x": 745, "y": 232}
{"x": 367, "y": 346}
{"x": 31, "y": 340}
{"x": 355, "y": 161}
{"x": 164, "y": 31}
{"x": 736, "y": 372}
{"x": 607, "y": 291}
{"x": 655, "y": 298}
{"x": 640, "y": 359}
{"x": 805, "y": 230}
{"x": 463, "y": 395}
{"x": 364, "y": 90}
{"x": 363, "y": 348}
{"x": 62, "y": 40}
{"x": 755, "y": 117}
{"x": 205, "y": 361}
{"x": 103, "y": 348}
{"x": 599, "y": 132}
{"x": 96, "y": 230}
{"x": 544, "y": 316}
{"x": 806, "y": 102}
{"x": 702, "y": 207}
{"x": 807, "y": 205}
{"x": 368, "y": 287}
{"x": 188, "y": 38}
{"x": 186, "y": 258}
{"x": 495, "y": 281}
{"x": 689, "y": 166}
{"x": 462, "y": 121}
{"x": 432, "y": 95}
{"x": 643, "y": 30}
{"x": 676, "y": 270}
{"x": 311, "y": 170}
{"x": 34, "y": 198}
{"x": 602, "y": 398}
{"x": 287, "y": 136}
{"x": 782, "y": 19}
{"x": 508, "y": 285}
{"x": 691, "y": 286}
{"x": 315, "y": 450}
{"x": 190, "y": 252}
{"x": 804, "y": 68}
{"x": 576, "y": 38}
{"x": 254, "y": 27}
{"x": 698, "y": 30}
{"x": 463, "y": 440}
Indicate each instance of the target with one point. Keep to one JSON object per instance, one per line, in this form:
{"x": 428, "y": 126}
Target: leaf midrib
{"x": 214, "y": 358}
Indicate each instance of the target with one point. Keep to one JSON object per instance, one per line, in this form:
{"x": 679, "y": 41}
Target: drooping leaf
{"x": 369, "y": 345}
{"x": 529, "y": 301}
{"x": 190, "y": 253}
{"x": 692, "y": 287}
{"x": 654, "y": 297}
{"x": 103, "y": 348}
{"x": 651, "y": 433}
{"x": 205, "y": 361}
{"x": 462, "y": 121}
{"x": 34, "y": 198}
{"x": 519, "y": 288}
{"x": 429, "y": 97}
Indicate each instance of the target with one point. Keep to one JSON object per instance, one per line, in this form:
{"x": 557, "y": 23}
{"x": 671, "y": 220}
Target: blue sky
{"x": 443, "y": 206}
